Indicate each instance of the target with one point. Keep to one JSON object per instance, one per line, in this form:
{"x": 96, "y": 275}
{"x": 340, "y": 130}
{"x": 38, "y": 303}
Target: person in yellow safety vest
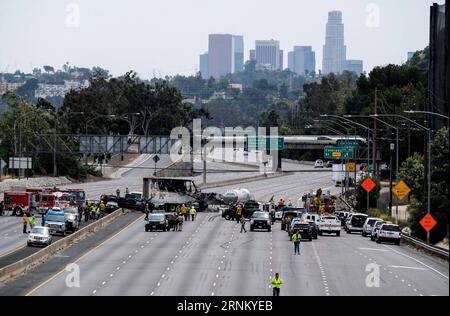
{"x": 238, "y": 213}
{"x": 296, "y": 238}
{"x": 193, "y": 212}
{"x": 24, "y": 223}
{"x": 276, "y": 284}
{"x": 184, "y": 212}
{"x": 102, "y": 208}
{"x": 32, "y": 221}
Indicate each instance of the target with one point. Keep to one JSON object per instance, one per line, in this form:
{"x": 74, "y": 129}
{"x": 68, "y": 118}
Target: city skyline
{"x": 47, "y": 39}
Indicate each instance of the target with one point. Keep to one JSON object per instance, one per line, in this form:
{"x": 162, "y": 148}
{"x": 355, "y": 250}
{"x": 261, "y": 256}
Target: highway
{"x": 211, "y": 257}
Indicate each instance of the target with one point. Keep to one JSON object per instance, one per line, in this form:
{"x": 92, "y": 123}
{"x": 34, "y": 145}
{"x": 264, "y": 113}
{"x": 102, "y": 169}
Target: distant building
{"x": 281, "y": 60}
{"x": 220, "y": 55}
{"x": 58, "y": 90}
{"x": 237, "y": 86}
{"x": 225, "y": 54}
{"x": 302, "y": 60}
{"x": 268, "y": 53}
{"x": 238, "y": 49}
{"x": 6, "y": 86}
{"x": 355, "y": 66}
{"x": 252, "y": 54}
{"x": 410, "y": 55}
{"x": 334, "y": 50}
{"x": 204, "y": 65}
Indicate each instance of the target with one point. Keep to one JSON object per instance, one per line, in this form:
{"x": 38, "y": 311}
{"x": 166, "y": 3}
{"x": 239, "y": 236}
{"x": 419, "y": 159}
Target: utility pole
{"x": 374, "y": 154}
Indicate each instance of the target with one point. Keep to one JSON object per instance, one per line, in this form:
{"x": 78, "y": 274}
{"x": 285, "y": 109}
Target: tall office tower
{"x": 334, "y": 50}
{"x": 281, "y": 60}
{"x": 220, "y": 55}
{"x": 267, "y": 54}
{"x": 204, "y": 65}
{"x": 252, "y": 54}
{"x": 302, "y": 60}
{"x": 238, "y": 48}
{"x": 355, "y": 66}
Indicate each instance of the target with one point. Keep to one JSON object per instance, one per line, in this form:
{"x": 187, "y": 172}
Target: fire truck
{"x": 36, "y": 200}
{"x": 20, "y": 202}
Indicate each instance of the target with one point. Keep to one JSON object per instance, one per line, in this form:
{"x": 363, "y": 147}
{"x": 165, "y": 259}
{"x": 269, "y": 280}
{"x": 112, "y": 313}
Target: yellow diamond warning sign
{"x": 401, "y": 190}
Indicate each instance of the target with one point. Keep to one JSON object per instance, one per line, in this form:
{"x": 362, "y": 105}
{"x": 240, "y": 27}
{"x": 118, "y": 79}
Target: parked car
{"x": 304, "y": 230}
{"x": 132, "y": 201}
{"x": 368, "y": 225}
{"x": 318, "y": 163}
{"x": 39, "y": 235}
{"x": 288, "y": 216}
{"x": 355, "y": 223}
{"x": 260, "y": 220}
{"x": 111, "y": 206}
{"x": 157, "y": 221}
{"x": 376, "y": 227}
{"x": 330, "y": 225}
{"x": 314, "y": 229}
{"x": 71, "y": 215}
{"x": 389, "y": 233}
{"x": 55, "y": 220}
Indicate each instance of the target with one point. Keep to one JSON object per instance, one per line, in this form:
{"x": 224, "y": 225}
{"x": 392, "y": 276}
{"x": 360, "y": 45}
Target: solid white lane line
{"x": 373, "y": 249}
{"x": 405, "y": 267}
{"x": 418, "y": 261}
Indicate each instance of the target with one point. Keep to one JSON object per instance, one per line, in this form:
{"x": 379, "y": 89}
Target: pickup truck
{"x": 330, "y": 225}
{"x": 132, "y": 201}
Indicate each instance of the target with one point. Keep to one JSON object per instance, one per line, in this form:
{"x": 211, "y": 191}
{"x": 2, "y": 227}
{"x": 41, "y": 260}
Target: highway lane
{"x": 211, "y": 257}
{"x": 11, "y": 235}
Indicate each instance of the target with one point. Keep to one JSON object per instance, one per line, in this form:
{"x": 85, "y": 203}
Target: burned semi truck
{"x": 169, "y": 193}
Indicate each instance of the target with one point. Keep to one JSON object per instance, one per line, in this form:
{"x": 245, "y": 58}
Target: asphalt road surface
{"x": 211, "y": 257}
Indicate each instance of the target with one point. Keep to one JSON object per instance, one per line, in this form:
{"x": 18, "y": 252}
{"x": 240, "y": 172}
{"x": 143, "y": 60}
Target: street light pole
{"x": 369, "y": 130}
{"x": 428, "y": 130}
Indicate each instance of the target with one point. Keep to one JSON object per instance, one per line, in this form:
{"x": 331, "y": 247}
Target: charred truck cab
{"x": 169, "y": 193}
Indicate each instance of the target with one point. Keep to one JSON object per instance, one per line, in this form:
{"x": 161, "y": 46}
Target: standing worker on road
{"x": 127, "y": 191}
{"x": 296, "y": 238}
{"x": 193, "y": 212}
{"x": 24, "y": 223}
{"x": 276, "y": 284}
{"x": 238, "y": 213}
{"x": 243, "y": 224}
{"x": 118, "y": 192}
{"x": 32, "y": 221}
{"x": 184, "y": 212}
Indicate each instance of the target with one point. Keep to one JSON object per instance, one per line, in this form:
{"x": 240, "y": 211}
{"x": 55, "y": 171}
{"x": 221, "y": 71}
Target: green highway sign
{"x": 265, "y": 143}
{"x": 347, "y": 143}
{"x": 338, "y": 152}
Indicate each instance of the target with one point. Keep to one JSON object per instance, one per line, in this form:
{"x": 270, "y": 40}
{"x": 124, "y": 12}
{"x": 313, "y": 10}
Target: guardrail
{"x": 22, "y": 266}
{"x": 421, "y": 245}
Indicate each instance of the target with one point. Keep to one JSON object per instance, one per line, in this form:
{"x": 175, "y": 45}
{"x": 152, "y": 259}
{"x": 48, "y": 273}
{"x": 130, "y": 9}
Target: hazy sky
{"x": 166, "y": 36}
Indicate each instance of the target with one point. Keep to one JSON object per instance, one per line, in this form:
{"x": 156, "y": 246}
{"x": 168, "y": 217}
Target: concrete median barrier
{"x": 21, "y": 267}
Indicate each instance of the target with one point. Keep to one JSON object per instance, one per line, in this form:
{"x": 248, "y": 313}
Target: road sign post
{"x": 401, "y": 190}
{"x": 428, "y": 223}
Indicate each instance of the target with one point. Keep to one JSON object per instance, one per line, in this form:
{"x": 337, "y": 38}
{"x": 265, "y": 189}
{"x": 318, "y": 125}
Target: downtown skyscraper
{"x": 269, "y": 55}
{"x": 225, "y": 54}
{"x": 334, "y": 50}
{"x": 302, "y": 60}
